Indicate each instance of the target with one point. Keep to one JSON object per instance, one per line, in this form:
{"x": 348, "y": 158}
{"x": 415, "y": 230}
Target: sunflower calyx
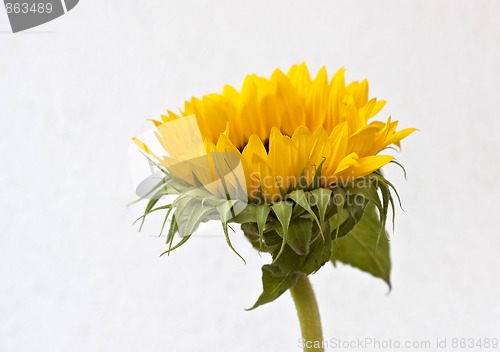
{"x": 302, "y": 232}
{"x": 310, "y": 228}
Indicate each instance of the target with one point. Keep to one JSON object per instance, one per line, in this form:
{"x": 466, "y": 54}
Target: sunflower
{"x": 285, "y": 130}
{"x": 296, "y": 162}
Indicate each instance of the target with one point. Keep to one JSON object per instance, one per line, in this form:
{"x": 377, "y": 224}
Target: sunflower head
{"x": 286, "y": 157}
{"x": 287, "y": 131}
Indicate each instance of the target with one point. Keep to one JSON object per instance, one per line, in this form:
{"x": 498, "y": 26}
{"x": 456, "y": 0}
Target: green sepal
{"x": 339, "y": 203}
{"x": 299, "y": 235}
{"x": 320, "y": 252}
{"x": 386, "y": 199}
{"x": 302, "y": 200}
{"x": 316, "y": 182}
{"x": 341, "y": 223}
{"x": 369, "y": 193}
{"x": 261, "y": 214}
{"x": 191, "y": 215}
{"x": 283, "y": 212}
{"x": 161, "y": 190}
{"x": 146, "y": 213}
{"x": 226, "y": 212}
{"x": 384, "y": 185}
{"x": 302, "y": 235}
{"x": 177, "y": 245}
{"x": 171, "y": 233}
{"x": 321, "y": 198}
{"x": 247, "y": 215}
{"x": 270, "y": 239}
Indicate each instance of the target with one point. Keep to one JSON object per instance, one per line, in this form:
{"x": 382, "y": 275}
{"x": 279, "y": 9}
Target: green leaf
{"x": 359, "y": 247}
{"x": 274, "y": 284}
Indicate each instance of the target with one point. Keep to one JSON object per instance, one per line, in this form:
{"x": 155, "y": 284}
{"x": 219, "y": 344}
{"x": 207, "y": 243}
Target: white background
{"x": 75, "y": 275}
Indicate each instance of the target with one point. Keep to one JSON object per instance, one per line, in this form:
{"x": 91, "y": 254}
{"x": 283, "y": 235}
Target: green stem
{"x": 308, "y": 312}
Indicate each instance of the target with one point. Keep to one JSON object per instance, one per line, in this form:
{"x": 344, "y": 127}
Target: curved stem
{"x": 308, "y": 312}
